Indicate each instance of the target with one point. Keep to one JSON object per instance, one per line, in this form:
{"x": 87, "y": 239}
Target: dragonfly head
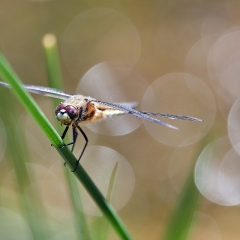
{"x": 66, "y": 113}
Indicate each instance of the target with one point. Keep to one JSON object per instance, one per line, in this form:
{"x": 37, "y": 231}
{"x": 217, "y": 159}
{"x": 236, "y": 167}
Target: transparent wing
{"x": 45, "y": 91}
{"x": 181, "y": 117}
{"x": 129, "y": 104}
{"x": 124, "y": 107}
{"x": 136, "y": 113}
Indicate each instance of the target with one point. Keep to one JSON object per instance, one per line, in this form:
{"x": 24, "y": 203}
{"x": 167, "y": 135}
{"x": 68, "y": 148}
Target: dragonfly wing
{"x": 129, "y": 110}
{"x": 46, "y": 91}
{"x": 188, "y": 118}
{"x": 129, "y": 104}
{"x": 108, "y": 111}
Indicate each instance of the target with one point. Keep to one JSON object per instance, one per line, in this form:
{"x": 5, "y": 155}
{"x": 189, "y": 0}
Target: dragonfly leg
{"x": 86, "y": 143}
{"x": 65, "y": 132}
{"x": 63, "y": 136}
{"x": 74, "y": 137}
{"x": 75, "y": 134}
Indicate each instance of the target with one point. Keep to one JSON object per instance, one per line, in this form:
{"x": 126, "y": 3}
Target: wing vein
{"x": 136, "y": 113}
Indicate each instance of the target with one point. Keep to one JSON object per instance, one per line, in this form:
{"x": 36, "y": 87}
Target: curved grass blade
{"x": 7, "y": 74}
{"x": 28, "y": 198}
{"x": 181, "y": 220}
{"x": 55, "y": 81}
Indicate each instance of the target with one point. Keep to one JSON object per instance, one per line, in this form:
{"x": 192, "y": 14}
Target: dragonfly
{"x": 77, "y": 110}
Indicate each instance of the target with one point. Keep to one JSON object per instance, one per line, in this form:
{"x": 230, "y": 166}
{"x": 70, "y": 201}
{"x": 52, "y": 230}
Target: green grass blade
{"x": 111, "y": 182}
{"x": 7, "y": 73}
{"x": 55, "y": 81}
{"x": 30, "y": 206}
{"x": 93, "y": 191}
{"x": 181, "y": 220}
{"x": 52, "y": 63}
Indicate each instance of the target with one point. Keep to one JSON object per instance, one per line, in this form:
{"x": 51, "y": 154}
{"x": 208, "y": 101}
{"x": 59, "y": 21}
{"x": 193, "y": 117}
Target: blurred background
{"x": 170, "y": 57}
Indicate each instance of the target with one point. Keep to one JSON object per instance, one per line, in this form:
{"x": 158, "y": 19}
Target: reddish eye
{"x": 72, "y": 111}
{"x": 60, "y": 107}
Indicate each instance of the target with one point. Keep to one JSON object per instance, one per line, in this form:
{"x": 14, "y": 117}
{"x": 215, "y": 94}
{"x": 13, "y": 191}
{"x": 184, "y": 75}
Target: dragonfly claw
{"x": 63, "y": 146}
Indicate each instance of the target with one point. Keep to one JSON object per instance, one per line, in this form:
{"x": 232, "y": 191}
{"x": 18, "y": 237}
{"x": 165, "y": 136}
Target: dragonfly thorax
{"x": 66, "y": 113}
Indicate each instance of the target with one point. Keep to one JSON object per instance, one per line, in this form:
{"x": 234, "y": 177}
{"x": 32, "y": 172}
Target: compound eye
{"x": 60, "y": 107}
{"x": 72, "y": 111}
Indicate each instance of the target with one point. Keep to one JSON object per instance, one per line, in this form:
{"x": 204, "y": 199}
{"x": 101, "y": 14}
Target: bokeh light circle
{"x": 55, "y": 197}
{"x": 223, "y": 62}
{"x": 46, "y": 187}
{"x": 180, "y": 165}
{"x": 111, "y": 173}
{"x": 217, "y": 173}
{"x": 114, "y": 82}
{"x": 234, "y": 125}
{"x": 97, "y": 35}
{"x": 229, "y": 178}
{"x": 13, "y": 226}
{"x": 208, "y": 223}
{"x": 217, "y": 22}
{"x": 182, "y": 94}
{"x": 226, "y": 46}
{"x": 195, "y": 61}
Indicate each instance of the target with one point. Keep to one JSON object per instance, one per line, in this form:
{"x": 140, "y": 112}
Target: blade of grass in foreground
{"x": 7, "y": 73}
{"x": 182, "y": 218}
{"x": 55, "y": 81}
{"x": 27, "y": 197}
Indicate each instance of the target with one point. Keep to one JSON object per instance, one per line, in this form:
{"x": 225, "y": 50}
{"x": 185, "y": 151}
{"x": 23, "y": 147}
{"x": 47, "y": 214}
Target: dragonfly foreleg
{"x": 65, "y": 132}
{"x": 63, "y": 136}
{"x": 86, "y": 143}
{"x": 75, "y": 134}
